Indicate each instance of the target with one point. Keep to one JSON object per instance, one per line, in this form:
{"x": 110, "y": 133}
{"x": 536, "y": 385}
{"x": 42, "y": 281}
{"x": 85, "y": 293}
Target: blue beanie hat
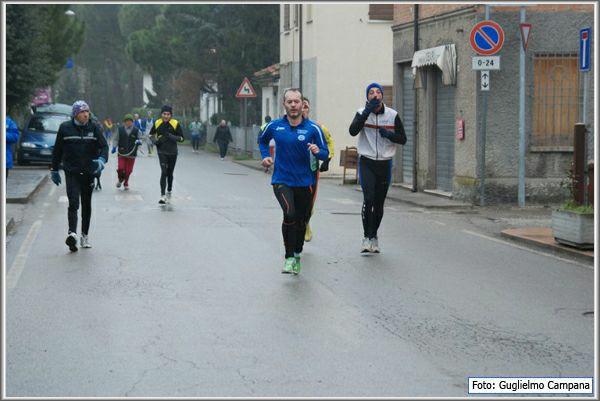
{"x": 374, "y": 85}
{"x": 79, "y": 106}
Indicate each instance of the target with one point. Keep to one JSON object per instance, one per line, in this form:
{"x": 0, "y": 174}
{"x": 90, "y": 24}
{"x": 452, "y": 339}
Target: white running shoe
{"x": 162, "y": 200}
{"x": 85, "y": 242}
{"x": 118, "y": 184}
{"x": 169, "y": 194}
{"x": 366, "y": 245}
{"x": 71, "y": 242}
{"x": 375, "y": 245}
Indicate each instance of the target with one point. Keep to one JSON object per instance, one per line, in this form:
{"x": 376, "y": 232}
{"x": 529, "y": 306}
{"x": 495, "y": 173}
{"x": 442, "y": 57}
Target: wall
{"x": 544, "y": 170}
{"x": 343, "y": 52}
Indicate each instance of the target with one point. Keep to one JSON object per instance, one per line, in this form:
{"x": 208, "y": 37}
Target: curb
{"x": 548, "y": 247}
{"x": 414, "y": 203}
{"x": 31, "y": 194}
{"x": 10, "y": 225}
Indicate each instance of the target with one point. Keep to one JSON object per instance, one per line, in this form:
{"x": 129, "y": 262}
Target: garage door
{"x": 444, "y": 135}
{"x": 408, "y": 110}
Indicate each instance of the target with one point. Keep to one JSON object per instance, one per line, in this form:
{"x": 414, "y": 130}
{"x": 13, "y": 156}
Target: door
{"x": 444, "y": 129}
{"x": 407, "y": 115}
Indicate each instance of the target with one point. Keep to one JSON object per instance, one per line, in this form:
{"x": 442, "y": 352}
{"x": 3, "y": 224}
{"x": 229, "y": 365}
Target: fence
{"x": 244, "y": 140}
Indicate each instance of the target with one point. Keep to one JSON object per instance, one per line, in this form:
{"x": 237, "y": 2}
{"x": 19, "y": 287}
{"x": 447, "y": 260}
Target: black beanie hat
{"x": 166, "y": 108}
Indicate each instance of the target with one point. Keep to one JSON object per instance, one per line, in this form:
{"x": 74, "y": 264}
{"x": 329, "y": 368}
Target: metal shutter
{"x": 407, "y": 115}
{"x": 444, "y": 127}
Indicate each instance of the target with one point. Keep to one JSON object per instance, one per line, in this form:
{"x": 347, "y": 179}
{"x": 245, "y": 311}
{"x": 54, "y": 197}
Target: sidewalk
{"x": 22, "y": 184}
{"x": 21, "y": 187}
{"x": 542, "y": 237}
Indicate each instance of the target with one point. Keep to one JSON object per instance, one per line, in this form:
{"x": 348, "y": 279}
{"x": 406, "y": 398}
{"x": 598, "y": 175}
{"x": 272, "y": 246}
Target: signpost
{"x": 485, "y": 80}
{"x": 245, "y": 91}
{"x": 525, "y": 29}
{"x": 487, "y": 39}
{"x": 584, "y": 65}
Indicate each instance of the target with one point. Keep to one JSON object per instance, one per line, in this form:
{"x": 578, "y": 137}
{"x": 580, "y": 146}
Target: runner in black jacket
{"x": 165, "y": 133}
{"x": 82, "y": 149}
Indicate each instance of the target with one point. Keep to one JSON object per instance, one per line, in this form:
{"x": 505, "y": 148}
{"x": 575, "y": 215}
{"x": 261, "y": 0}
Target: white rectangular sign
{"x": 486, "y": 62}
{"x": 485, "y": 80}
{"x": 531, "y": 385}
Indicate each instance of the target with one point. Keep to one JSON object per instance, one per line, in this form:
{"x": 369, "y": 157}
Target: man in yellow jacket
{"x": 324, "y": 166}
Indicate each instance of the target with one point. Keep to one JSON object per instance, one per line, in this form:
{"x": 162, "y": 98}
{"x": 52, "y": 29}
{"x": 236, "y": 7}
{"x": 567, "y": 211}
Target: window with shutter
{"x": 556, "y": 99}
{"x": 388, "y": 97}
{"x": 286, "y": 17}
{"x": 381, "y": 12}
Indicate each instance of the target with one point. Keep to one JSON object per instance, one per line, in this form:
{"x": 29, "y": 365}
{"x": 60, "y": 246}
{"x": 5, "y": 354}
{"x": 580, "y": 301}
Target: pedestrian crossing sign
{"x": 245, "y": 90}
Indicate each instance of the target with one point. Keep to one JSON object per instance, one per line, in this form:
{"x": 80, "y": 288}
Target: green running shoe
{"x": 288, "y": 267}
{"x": 297, "y": 265}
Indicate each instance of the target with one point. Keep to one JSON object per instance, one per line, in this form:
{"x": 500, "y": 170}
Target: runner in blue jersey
{"x": 299, "y": 142}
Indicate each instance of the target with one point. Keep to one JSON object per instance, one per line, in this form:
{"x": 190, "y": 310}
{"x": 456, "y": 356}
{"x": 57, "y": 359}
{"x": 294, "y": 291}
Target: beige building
{"x": 344, "y": 48}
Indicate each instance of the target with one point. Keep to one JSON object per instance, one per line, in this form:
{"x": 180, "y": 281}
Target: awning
{"x": 444, "y": 57}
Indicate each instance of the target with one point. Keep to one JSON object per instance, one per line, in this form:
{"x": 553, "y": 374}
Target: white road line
{"x": 52, "y": 191}
{"x": 527, "y": 249}
{"x": 12, "y": 277}
{"x": 439, "y": 222}
{"x": 128, "y": 197}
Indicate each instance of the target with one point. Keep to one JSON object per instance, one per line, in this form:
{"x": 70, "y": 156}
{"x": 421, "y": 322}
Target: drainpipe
{"x": 300, "y": 47}
{"x": 416, "y": 101}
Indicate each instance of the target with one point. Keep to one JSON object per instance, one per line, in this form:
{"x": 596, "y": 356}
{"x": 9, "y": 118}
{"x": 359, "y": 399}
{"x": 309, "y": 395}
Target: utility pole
{"x": 522, "y": 119}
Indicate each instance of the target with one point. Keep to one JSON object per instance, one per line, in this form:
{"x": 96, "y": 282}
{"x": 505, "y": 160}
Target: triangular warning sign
{"x": 525, "y": 29}
{"x": 245, "y": 89}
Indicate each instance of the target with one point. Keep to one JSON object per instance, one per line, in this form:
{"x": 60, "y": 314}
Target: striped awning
{"x": 444, "y": 57}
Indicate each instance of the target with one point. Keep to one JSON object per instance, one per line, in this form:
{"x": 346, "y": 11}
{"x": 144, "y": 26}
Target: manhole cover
{"x": 347, "y": 213}
{"x": 235, "y": 173}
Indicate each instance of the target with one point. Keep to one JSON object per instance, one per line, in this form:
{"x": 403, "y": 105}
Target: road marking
{"x": 345, "y": 201}
{"x": 63, "y": 199}
{"x": 527, "y": 249}
{"x": 12, "y": 277}
{"x": 52, "y": 191}
{"x": 129, "y": 197}
{"x": 439, "y": 222}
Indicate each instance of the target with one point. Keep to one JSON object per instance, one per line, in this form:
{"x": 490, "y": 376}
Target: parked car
{"x": 38, "y": 136}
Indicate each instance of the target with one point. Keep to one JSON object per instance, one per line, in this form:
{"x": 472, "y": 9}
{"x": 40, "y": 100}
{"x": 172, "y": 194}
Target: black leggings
{"x": 195, "y": 142}
{"x": 375, "y": 177}
{"x": 167, "y": 166}
{"x": 223, "y": 147}
{"x": 295, "y": 203}
{"x": 79, "y": 186}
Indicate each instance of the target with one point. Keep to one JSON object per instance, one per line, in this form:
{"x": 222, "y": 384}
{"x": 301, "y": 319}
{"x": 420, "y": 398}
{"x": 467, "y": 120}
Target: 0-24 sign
{"x": 486, "y": 63}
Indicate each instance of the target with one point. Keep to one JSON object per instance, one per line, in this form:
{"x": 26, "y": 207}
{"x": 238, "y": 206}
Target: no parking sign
{"x": 487, "y": 38}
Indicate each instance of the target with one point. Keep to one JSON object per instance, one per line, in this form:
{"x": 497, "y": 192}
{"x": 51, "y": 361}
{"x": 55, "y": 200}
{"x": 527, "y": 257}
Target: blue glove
{"x": 138, "y": 142}
{"x": 55, "y": 177}
{"x": 100, "y": 161}
{"x": 386, "y": 133}
{"x": 114, "y": 149}
{"x": 371, "y": 105}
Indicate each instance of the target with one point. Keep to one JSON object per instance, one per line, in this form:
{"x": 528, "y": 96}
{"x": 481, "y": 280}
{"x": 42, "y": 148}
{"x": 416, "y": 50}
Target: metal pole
{"x": 300, "y": 47}
{"x": 522, "y": 120}
{"x": 484, "y": 107}
{"x": 416, "y": 97}
{"x": 585, "y": 97}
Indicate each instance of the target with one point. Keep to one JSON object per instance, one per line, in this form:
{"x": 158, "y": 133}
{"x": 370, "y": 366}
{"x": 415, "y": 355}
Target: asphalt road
{"x": 188, "y": 299}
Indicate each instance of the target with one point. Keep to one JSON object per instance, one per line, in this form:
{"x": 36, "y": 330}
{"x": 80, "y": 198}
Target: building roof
{"x": 267, "y": 74}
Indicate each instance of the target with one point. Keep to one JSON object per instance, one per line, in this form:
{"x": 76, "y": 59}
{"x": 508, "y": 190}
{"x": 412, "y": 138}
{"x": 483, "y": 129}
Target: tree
{"x": 221, "y": 43}
{"x": 39, "y": 39}
{"x": 111, "y": 81}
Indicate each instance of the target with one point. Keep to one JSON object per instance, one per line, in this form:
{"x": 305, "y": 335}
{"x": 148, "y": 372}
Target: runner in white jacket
{"x": 379, "y": 129}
